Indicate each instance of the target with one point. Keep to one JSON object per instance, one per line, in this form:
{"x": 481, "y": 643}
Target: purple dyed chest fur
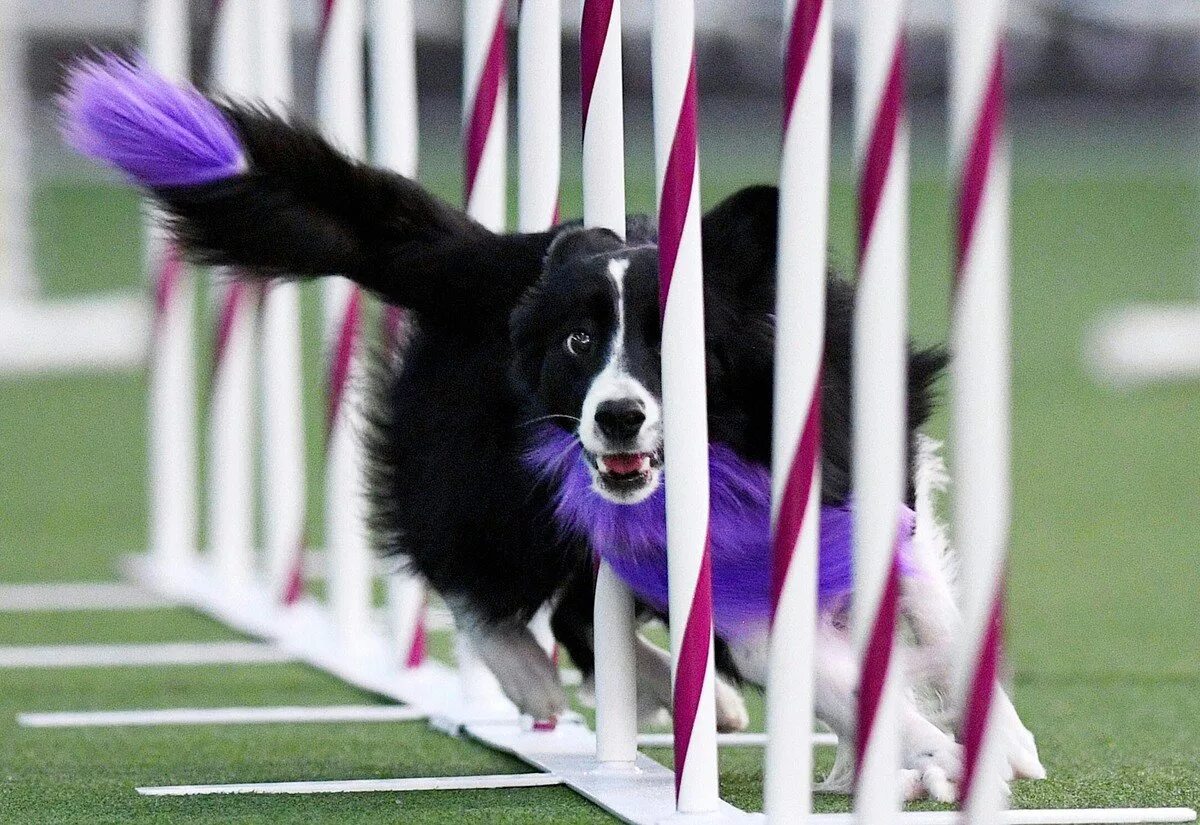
{"x": 633, "y": 538}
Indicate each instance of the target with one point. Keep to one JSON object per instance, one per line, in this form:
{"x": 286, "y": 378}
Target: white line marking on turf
{"x": 63, "y": 596}
{"x": 728, "y": 740}
{"x": 220, "y": 716}
{"x": 433, "y": 783}
{"x": 171, "y": 653}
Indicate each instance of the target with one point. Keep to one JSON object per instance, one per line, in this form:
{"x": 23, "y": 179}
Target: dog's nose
{"x": 620, "y": 419}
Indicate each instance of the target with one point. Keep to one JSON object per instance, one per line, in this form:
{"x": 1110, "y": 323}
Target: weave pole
{"x": 394, "y": 144}
{"x": 231, "y": 400}
{"x": 342, "y": 118}
{"x": 604, "y": 206}
{"x": 881, "y": 136}
{"x": 539, "y": 113}
{"x": 796, "y": 430}
{"x": 685, "y": 418}
{"x": 980, "y": 404}
{"x": 280, "y": 356}
{"x": 485, "y": 138}
{"x": 172, "y": 403}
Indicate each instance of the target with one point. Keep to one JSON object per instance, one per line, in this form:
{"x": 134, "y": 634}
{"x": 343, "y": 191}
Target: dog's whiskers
{"x": 547, "y": 418}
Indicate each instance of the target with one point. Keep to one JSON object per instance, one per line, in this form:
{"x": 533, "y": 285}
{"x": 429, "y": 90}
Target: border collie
{"x": 520, "y": 437}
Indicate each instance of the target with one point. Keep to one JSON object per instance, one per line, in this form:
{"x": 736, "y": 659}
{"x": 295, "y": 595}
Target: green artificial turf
{"x": 1103, "y": 624}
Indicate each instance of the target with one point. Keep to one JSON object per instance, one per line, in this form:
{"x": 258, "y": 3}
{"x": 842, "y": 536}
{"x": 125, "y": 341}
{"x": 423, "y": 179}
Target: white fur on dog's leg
{"x": 1017, "y": 741}
{"x": 732, "y": 715}
{"x": 938, "y": 786}
{"x": 911, "y": 786}
{"x": 585, "y": 694}
{"x": 524, "y": 671}
{"x": 840, "y": 779}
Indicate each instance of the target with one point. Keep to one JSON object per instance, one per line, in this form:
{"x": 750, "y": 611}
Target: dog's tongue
{"x": 623, "y": 463}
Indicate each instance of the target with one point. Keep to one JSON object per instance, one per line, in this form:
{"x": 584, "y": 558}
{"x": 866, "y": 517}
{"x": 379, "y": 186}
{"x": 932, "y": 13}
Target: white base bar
{"x": 98, "y": 333}
{"x": 436, "y": 783}
{"x": 730, "y": 740}
{"x": 220, "y": 716}
{"x": 1143, "y": 344}
{"x": 60, "y": 597}
{"x": 170, "y": 653}
{"x": 1048, "y": 816}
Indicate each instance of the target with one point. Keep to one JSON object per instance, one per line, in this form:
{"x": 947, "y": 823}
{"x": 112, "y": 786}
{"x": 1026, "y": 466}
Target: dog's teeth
{"x": 645, "y": 463}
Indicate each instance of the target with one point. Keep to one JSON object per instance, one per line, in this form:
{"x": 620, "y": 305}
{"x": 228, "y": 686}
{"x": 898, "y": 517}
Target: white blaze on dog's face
{"x": 586, "y": 342}
{"x": 621, "y": 421}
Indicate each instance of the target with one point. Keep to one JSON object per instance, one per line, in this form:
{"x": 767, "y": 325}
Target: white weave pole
{"x": 604, "y": 205}
{"x": 796, "y": 430}
{"x": 280, "y": 357}
{"x": 17, "y": 279}
{"x": 539, "y": 113}
{"x": 231, "y": 400}
{"x": 685, "y": 418}
{"x": 485, "y": 194}
{"x": 342, "y": 118}
{"x": 980, "y": 402}
{"x": 394, "y": 144}
{"x": 881, "y": 137}
{"x": 172, "y": 408}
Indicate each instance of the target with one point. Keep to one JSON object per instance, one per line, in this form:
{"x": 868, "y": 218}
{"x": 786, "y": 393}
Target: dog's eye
{"x": 578, "y": 343}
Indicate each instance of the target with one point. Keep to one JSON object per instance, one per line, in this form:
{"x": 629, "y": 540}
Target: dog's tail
{"x": 246, "y": 188}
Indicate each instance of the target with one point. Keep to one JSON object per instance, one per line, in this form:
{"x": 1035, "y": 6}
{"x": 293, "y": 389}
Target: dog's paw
{"x": 1018, "y": 743}
{"x": 932, "y": 763}
{"x": 525, "y": 673}
{"x": 732, "y": 715}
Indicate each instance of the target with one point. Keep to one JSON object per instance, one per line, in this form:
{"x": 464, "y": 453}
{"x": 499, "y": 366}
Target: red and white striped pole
{"x": 879, "y": 386}
{"x": 485, "y": 193}
{"x": 980, "y": 403}
{"x": 231, "y": 402}
{"x": 485, "y": 111}
{"x": 796, "y": 442}
{"x": 394, "y": 143}
{"x": 280, "y": 357}
{"x": 685, "y": 418}
{"x": 342, "y": 118}
{"x": 172, "y": 424}
{"x": 604, "y": 205}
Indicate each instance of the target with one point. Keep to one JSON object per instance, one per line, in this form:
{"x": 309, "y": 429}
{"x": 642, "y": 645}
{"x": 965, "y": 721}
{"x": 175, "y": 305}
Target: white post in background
{"x": 342, "y": 118}
{"x": 539, "y": 113}
{"x": 980, "y": 405}
{"x": 685, "y": 417}
{"x": 796, "y": 432}
{"x": 485, "y": 193}
{"x": 394, "y": 142}
{"x": 231, "y": 400}
{"x": 604, "y": 205}
{"x": 16, "y": 259}
{"x": 172, "y": 408}
{"x": 879, "y": 408}
{"x": 280, "y": 367}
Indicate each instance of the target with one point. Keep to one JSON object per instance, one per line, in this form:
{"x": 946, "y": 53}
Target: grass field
{"x": 1105, "y": 569}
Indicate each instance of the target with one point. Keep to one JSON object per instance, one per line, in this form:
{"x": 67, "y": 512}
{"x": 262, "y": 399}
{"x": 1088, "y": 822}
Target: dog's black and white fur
{"x": 516, "y": 330}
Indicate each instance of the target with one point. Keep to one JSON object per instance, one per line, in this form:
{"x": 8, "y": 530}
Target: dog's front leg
{"x": 524, "y": 671}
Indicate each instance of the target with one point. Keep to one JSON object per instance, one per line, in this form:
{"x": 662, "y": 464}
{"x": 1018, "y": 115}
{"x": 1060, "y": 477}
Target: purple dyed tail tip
{"x": 123, "y": 114}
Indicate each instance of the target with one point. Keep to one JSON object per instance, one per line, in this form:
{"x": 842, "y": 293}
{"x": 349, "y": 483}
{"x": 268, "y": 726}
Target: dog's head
{"x": 586, "y": 342}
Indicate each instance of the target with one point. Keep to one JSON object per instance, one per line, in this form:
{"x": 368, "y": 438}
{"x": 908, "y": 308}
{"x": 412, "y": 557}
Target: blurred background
{"x": 1105, "y": 563}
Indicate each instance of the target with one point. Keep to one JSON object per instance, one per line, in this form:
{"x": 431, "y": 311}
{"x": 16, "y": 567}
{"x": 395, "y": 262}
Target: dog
{"x": 520, "y": 436}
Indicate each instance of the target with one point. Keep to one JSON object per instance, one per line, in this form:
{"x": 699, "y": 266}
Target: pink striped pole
{"x": 485, "y": 111}
{"x": 172, "y": 426}
{"x": 979, "y": 412}
{"x": 395, "y": 139}
{"x": 799, "y": 347}
{"x": 342, "y": 118}
{"x": 681, "y": 296}
{"x": 879, "y": 398}
{"x": 231, "y": 408}
{"x": 604, "y": 205}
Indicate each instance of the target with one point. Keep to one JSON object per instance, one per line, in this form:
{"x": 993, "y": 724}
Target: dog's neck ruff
{"x": 632, "y": 538}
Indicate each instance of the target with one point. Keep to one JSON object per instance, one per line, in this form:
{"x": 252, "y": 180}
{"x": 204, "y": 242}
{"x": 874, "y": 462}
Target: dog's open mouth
{"x": 626, "y": 477}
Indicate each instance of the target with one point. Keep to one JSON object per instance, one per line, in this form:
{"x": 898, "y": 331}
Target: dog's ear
{"x": 740, "y": 237}
{"x": 576, "y": 242}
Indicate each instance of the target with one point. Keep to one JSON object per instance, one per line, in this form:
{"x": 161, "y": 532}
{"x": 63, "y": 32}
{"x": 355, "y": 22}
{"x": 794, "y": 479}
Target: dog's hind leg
{"x": 929, "y": 604}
